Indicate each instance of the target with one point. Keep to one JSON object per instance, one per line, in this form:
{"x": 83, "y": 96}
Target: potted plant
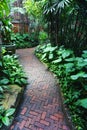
{"x": 6, "y": 28}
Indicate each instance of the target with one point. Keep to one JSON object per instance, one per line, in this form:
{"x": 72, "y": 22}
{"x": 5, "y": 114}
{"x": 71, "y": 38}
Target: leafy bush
{"x": 5, "y": 116}
{"x": 14, "y": 70}
{"x": 67, "y": 23}
{"x": 72, "y": 74}
{"x": 47, "y": 52}
{"x": 43, "y": 36}
{"x": 11, "y": 72}
{"x": 24, "y": 40}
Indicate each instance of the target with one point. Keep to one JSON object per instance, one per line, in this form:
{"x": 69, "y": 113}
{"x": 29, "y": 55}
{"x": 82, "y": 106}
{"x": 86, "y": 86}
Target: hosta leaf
{"x": 17, "y": 81}
{"x": 84, "y": 54}
{"x": 69, "y": 65}
{"x": 10, "y": 112}
{"x": 1, "y": 89}
{"x": 85, "y": 60}
{"x": 47, "y": 49}
{"x": 82, "y": 102}
{"x": 57, "y": 61}
{"x": 5, "y": 121}
{"x": 66, "y": 53}
{"x": 83, "y": 63}
{"x": 0, "y": 63}
{"x": 4, "y": 81}
{"x": 85, "y": 87}
{"x": 79, "y": 59}
{"x": 70, "y": 59}
{"x": 51, "y": 56}
{"x": 81, "y": 74}
{"x": 84, "y": 76}
{"x": 85, "y": 51}
{"x": 43, "y": 56}
{"x": 0, "y": 125}
{"x": 24, "y": 81}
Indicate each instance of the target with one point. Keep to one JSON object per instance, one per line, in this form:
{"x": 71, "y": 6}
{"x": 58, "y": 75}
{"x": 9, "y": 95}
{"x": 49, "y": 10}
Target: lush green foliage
{"x": 67, "y": 19}
{"x": 5, "y": 116}
{"x": 35, "y": 10}
{"x": 4, "y": 18}
{"x": 43, "y": 37}
{"x": 6, "y": 30}
{"x": 6, "y": 11}
{"x": 24, "y": 40}
{"x": 11, "y": 72}
{"x": 72, "y": 75}
{"x": 14, "y": 70}
{"x": 4, "y": 8}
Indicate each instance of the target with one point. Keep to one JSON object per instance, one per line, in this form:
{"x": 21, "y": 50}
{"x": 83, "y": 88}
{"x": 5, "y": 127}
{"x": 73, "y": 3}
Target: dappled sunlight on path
{"x": 41, "y": 108}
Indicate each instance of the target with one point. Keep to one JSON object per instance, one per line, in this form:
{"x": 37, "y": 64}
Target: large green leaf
{"x": 66, "y": 53}
{"x": 4, "y": 81}
{"x": 79, "y": 75}
{"x": 24, "y": 81}
{"x": 82, "y": 102}
{"x": 1, "y": 89}
{"x": 50, "y": 56}
{"x": 85, "y": 87}
{"x": 84, "y": 54}
{"x": 0, "y": 63}
{"x": 57, "y": 61}
{"x": 43, "y": 56}
{"x": 5, "y": 121}
{"x": 70, "y": 59}
{"x": 10, "y": 112}
{"x": 69, "y": 67}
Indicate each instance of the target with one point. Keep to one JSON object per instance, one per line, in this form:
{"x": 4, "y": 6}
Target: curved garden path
{"x": 41, "y": 107}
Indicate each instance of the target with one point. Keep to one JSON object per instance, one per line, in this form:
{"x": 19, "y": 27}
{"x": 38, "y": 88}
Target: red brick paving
{"x": 41, "y": 108}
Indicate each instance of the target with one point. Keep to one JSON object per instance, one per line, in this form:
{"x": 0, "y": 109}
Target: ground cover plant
{"x": 72, "y": 74}
{"x": 24, "y": 40}
{"x": 11, "y": 73}
{"x": 14, "y": 70}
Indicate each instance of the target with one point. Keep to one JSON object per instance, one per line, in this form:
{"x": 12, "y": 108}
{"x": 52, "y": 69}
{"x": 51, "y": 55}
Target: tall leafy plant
{"x": 6, "y": 11}
{"x": 67, "y": 19}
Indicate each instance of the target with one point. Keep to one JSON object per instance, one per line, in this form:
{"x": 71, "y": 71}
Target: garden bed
{"x": 12, "y": 100}
{"x": 12, "y": 82}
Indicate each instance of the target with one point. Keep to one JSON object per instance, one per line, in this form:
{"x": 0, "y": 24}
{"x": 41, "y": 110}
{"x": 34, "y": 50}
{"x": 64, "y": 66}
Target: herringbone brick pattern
{"x": 41, "y": 108}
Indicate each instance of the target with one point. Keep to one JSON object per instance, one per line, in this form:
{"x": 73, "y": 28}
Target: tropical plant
{"x": 6, "y": 11}
{"x": 43, "y": 37}
{"x": 5, "y": 116}
{"x": 24, "y": 40}
{"x": 13, "y": 70}
{"x": 67, "y": 23}
{"x": 35, "y": 11}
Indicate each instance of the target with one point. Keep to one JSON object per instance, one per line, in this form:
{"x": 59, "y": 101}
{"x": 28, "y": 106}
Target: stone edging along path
{"x": 41, "y": 107}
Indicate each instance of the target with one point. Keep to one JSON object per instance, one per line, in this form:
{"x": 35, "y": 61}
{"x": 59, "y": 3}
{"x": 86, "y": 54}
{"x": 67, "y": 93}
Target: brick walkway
{"x": 41, "y": 107}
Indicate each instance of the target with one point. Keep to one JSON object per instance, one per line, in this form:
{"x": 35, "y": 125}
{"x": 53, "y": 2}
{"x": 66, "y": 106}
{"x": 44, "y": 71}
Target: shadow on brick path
{"x": 41, "y": 108}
